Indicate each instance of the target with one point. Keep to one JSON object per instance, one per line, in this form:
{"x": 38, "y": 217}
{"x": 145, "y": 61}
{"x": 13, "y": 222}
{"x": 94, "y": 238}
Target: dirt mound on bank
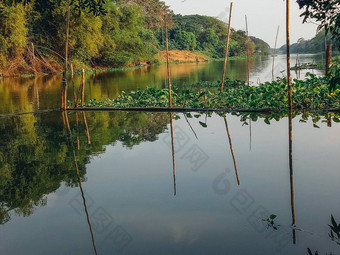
{"x": 183, "y": 56}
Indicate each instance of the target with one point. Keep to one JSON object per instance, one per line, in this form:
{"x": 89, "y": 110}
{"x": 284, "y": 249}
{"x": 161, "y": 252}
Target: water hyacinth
{"x": 314, "y": 93}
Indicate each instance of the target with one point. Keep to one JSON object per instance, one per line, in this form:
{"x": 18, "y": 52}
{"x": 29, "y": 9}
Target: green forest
{"x": 121, "y": 33}
{"x": 314, "y": 45}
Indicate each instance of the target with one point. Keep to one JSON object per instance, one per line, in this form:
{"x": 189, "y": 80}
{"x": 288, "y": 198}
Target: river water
{"x": 33, "y": 93}
{"x": 108, "y": 182}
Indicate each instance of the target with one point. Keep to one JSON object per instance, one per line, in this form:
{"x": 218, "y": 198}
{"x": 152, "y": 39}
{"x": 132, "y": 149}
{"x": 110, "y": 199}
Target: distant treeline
{"x": 208, "y": 34}
{"x": 314, "y": 45}
{"x": 130, "y": 32}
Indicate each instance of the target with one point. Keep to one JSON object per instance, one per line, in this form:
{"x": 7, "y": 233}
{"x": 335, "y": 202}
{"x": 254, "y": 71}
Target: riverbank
{"x": 175, "y": 57}
{"x": 183, "y": 56}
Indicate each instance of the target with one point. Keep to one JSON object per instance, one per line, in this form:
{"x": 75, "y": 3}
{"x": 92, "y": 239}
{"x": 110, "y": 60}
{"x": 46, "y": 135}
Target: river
{"x": 43, "y": 92}
{"x": 116, "y": 183}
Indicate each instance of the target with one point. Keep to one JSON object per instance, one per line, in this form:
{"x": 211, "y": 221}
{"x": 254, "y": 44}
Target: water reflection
{"x": 43, "y": 92}
{"x": 75, "y": 161}
{"x": 37, "y": 158}
{"x": 173, "y": 152}
{"x": 232, "y": 151}
{"x": 291, "y": 173}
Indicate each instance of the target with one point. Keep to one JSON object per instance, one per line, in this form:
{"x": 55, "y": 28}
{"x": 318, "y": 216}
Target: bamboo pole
{"x": 289, "y": 78}
{"x": 64, "y": 83}
{"x": 328, "y": 57}
{"x": 248, "y": 71}
{"x": 167, "y": 62}
{"x": 82, "y": 87}
{"x": 232, "y": 151}
{"x": 173, "y": 153}
{"x": 74, "y": 87}
{"x": 227, "y": 48}
{"x": 274, "y": 53}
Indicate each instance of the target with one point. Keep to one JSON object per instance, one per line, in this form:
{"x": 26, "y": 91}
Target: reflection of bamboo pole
{"x": 227, "y": 47}
{"x": 247, "y": 52}
{"x": 274, "y": 53}
{"x": 167, "y": 62}
{"x": 232, "y": 150}
{"x": 79, "y": 182}
{"x": 190, "y": 126}
{"x": 291, "y": 174}
{"x": 78, "y": 141}
{"x": 250, "y": 134}
{"x": 173, "y": 153}
{"x": 87, "y": 129}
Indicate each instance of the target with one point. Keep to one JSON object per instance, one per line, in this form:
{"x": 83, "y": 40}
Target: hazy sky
{"x": 264, "y": 16}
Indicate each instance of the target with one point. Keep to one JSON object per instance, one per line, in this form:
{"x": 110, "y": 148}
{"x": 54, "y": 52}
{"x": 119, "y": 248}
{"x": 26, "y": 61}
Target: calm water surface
{"x": 125, "y": 165}
{"x": 108, "y": 183}
{"x": 29, "y": 94}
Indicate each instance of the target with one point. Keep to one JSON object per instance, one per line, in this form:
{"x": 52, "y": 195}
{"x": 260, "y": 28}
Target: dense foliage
{"x": 208, "y": 34}
{"x": 314, "y": 45}
{"x": 107, "y": 33}
{"x": 327, "y": 12}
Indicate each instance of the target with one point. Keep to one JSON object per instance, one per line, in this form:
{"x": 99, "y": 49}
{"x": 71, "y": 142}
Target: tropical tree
{"x": 327, "y": 12}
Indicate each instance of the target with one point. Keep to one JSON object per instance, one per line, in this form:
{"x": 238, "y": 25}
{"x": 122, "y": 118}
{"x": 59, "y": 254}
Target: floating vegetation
{"x": 307, "y": 66}
{"x": 314, "y": 93}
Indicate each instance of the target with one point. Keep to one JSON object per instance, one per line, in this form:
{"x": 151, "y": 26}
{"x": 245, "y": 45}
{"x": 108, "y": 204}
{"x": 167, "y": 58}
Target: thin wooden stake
{"x": 82, "y": 87}
{"x": 289, "y": 78}
{"x": 290, "y": 133}
{"x": 64, "y": 83}
{"x": 74, "y": 88}
{"x": 227, "y": 48}
{"x": 167, "y": 62}
{"x": 248, "y": 71}
{"x": 274, "y": 53}
{"x": 328, "y": 57}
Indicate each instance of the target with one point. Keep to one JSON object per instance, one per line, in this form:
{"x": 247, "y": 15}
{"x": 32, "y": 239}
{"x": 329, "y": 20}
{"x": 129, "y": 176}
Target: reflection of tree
{"x": 35, "y": 157}
{"x": 335, "y": 231}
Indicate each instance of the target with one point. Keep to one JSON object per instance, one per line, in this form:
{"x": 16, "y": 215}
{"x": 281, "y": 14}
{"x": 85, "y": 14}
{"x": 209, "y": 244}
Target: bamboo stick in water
{"x": 227, "y": 48}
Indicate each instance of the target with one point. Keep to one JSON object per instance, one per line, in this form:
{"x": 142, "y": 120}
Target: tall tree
{"x": 327, "y": 12}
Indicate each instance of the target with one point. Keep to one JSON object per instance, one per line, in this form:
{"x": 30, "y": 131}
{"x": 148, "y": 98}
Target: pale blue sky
{"x": 264, "y": 16}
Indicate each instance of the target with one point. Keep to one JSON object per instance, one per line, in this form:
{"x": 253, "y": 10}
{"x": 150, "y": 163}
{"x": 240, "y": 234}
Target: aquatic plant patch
{"x": 314, "y": 93}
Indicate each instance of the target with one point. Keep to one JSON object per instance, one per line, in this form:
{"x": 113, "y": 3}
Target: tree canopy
{"x": 327, "y": 12}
